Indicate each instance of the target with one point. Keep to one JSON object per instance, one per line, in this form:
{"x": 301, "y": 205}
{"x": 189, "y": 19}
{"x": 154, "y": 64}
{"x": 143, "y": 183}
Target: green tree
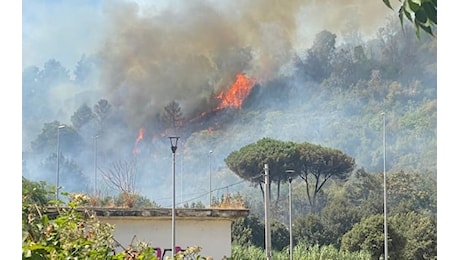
{"x": 53, "y": 73}
{"x": 248, "y": 162}
{"x": 317, "y": 165}
{"x": 411, "y": 192}
{"x": 172, "y": 116}
{"x": 82, "y": 116}
{"x": 368, "y": 235}
{"x": 422, "y": 13}
{"x": 248, "y": 231}
{"x": 310, "y": 230}
{"x": 72, "y": 178}
{"x": 241, "y": 233}
{"x": 38, "y": 193}
{"x": 338, "y": 217}
{"x": 317, "y": 63}
{"x": 420, "y": 233}
{"x": 102, "y": 112}
{"x": 46, "y": 142}
{"x": 279, "y": 235}
{"x": 44, "y": 152}
{"x": 364, "y": 191}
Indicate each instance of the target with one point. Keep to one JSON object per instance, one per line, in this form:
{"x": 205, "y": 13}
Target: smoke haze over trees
{"x": 322, "y": 79}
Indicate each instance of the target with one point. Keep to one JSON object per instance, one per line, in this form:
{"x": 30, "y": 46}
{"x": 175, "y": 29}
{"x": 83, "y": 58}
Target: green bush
{"x": 301, "y": 252}
{"x": 67, "y": 233}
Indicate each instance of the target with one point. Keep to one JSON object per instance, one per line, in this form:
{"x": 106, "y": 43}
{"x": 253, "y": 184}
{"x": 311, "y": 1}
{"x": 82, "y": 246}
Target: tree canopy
{"x": 248, "y": 162}
{"x": 315, "y": 164}
{"x": 318, "y": 164}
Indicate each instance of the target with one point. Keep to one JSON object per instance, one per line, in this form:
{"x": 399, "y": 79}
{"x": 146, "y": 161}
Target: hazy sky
{"x": 59, "y": 29}
{"x": 67, "y": 29}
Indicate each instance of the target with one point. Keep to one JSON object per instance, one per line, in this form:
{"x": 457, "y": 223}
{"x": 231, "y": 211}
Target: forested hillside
{"x": 332, "y": 93}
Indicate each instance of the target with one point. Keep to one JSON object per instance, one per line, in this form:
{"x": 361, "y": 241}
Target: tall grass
{"x": 301, "y": 252}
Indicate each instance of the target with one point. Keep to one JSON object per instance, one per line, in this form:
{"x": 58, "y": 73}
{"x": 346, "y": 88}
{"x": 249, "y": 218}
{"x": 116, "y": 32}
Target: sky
{"x": 65, "y": 30}
{"x": 32, "y": 26}
{"x": 59, "y": 29}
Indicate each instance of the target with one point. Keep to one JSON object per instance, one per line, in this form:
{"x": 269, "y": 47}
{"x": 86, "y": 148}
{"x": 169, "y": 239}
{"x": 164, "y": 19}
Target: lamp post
{"x": 173, "y": 140}
{"x": 385, "y": 228}
{"x": 291, "y": 253}
{"x": 181, "y": 179}
{"x": 210, "y": 187}
{"x": 58, "y": 151}
{"x": 95, "y": 165}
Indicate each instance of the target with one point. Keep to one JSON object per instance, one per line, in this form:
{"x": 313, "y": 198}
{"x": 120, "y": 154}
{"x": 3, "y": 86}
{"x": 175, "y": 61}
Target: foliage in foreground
{"x": 68, "y": 235}
{"x": 423, "y": 14}
{"x": 74, "y": 233}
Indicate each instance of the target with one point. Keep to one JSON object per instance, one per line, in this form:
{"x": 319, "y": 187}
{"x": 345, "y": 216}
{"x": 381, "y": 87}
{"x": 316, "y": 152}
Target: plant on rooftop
{"x": 228, "y": 201}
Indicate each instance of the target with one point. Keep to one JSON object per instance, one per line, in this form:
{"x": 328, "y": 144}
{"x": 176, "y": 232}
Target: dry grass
{"x": 229, "y": 202}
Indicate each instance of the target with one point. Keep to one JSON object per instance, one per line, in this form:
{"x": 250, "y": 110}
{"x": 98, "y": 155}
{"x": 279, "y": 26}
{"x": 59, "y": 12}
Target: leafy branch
{"x": 421, "y": 13}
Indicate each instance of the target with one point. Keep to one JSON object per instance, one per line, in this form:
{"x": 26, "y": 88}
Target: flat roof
{"x": 194, "y": 213}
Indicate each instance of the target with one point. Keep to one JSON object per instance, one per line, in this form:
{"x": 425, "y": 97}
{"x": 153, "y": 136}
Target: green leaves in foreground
{"x": 422, "y": 13}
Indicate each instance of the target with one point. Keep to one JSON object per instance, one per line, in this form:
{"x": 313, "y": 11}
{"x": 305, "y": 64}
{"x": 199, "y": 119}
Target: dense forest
{"x": 331, "y": 94}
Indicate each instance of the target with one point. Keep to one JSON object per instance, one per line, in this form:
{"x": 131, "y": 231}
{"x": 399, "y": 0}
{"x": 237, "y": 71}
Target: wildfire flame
{"x": 235, "y": 95}
{"x": 140, "y": 136}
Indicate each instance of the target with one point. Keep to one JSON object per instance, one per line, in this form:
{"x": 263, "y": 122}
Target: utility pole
{"x": 291, "y": 251}
{"x": 95, "y": 166}
{"x": 58, "y": 153}
{"x": 291, "y": 247}
{"x": 385, "y": 227}
{"x": 268, "y": 242}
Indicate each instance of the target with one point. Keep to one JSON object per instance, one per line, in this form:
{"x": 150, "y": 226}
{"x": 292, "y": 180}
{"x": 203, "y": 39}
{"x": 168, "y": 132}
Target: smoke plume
{"x": 191, "y": 50}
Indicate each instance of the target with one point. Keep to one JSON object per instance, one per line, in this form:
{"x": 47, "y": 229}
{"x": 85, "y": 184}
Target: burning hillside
{"x": 237, "y": 93}
{"x": 191, "y": 52}
{"x": 228, "y": 101}
{"x": 225, "y": 108}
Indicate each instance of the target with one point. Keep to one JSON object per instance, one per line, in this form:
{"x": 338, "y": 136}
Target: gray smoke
{"x": 190, "y": 50}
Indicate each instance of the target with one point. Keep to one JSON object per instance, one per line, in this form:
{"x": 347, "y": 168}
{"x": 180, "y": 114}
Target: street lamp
{"x": 58, "y": 151}
{"x": 173, "y": 140}
{"x": 210, "y": 188}
{"x": 385, "y": 228}
{"x": 290, "y": 216}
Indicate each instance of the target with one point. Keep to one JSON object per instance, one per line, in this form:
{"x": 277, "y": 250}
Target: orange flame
{"x": 236, "y": 94}
{"x": 140, "y": 136}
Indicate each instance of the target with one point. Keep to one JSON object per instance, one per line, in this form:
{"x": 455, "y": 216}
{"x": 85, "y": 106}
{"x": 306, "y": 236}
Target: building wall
{"x": 213, "y": 235}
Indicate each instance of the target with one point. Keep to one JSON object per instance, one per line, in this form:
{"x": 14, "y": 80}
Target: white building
{"x": 209, "y": 229}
